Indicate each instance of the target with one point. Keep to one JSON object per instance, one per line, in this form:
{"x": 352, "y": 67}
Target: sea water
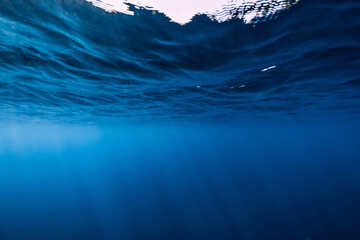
{"x": 137, "y": 126}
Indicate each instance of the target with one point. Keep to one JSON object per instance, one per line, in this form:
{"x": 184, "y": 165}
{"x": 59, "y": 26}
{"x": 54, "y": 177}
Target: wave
{"x": 71, "y": 61}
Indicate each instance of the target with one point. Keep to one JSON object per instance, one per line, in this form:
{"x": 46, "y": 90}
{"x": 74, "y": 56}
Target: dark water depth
{"x": 296, "y": 181}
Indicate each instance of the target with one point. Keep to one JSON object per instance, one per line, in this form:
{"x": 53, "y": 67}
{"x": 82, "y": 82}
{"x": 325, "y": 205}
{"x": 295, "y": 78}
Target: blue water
{"x": 115, "y": 126}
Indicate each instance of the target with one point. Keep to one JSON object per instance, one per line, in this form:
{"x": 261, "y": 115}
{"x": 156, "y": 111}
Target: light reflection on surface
{"x": 220, "y": 10}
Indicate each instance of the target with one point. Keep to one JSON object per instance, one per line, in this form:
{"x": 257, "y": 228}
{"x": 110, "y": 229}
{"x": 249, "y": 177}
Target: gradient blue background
{"x": 274, "y": 180}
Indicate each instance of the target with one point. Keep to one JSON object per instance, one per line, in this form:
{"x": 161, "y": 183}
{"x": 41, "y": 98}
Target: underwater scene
{"x": 170, "y": 119}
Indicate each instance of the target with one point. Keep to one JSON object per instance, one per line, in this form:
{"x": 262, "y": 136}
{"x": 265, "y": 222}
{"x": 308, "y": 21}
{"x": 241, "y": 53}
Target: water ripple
{"x": 71, "y": 61}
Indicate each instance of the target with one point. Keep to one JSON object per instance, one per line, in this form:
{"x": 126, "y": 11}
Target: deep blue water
{"x": 189, "y": 181}
{"x": 133, "y": 127}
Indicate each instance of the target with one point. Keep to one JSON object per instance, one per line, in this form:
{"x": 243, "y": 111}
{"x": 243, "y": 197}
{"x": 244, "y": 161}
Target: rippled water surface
{"x": 73, "y": 61}
{"x": 183, "y": 11}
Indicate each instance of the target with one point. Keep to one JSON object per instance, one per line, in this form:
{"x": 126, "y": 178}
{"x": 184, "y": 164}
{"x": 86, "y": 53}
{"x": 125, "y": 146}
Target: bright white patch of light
{"x": 182, "y": 11}
{"x": 267, "y": 69}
